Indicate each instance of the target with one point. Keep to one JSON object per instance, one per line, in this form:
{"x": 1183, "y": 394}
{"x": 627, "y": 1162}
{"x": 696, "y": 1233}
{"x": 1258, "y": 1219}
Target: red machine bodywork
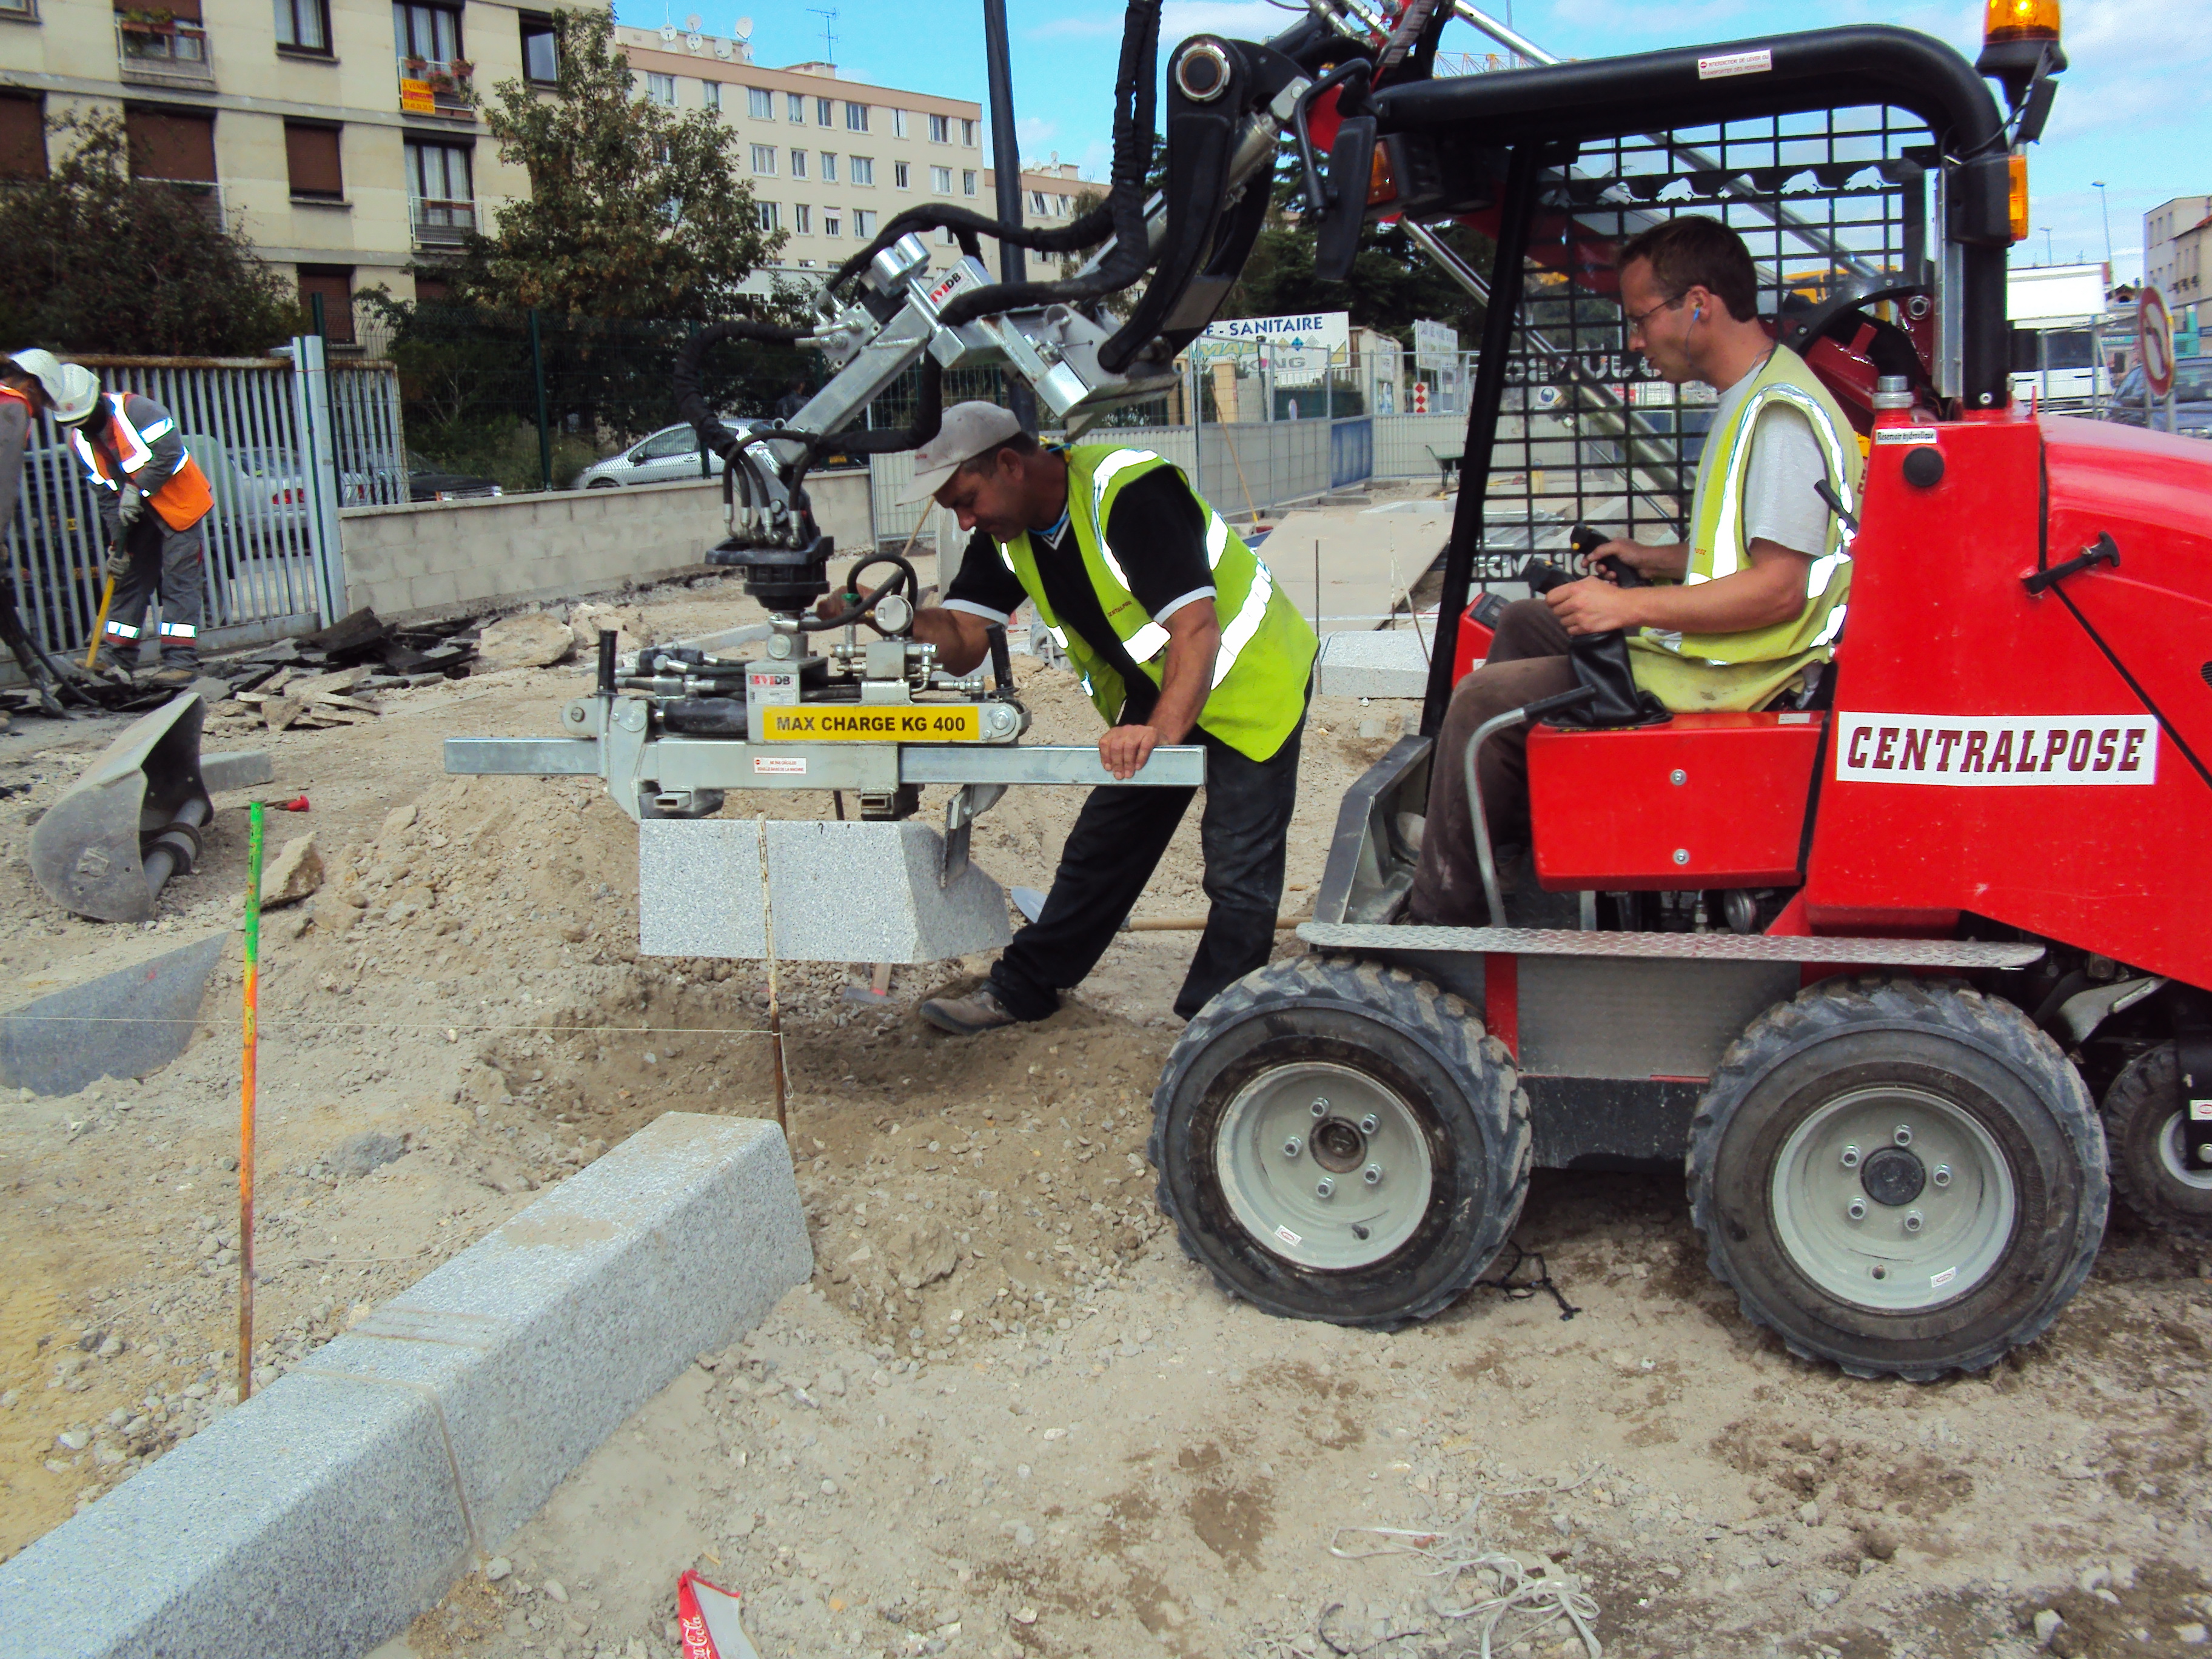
{"x": 1612, "y": 815}
{"x": 2085, "y": 815}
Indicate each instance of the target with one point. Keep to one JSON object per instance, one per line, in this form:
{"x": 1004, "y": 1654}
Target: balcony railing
{"x": 446, "y": 224}
{"x": 163, "y": 51}
{"x": 426, "y": 87}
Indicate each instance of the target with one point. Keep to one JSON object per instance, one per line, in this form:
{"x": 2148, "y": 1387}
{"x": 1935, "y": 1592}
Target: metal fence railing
{"x": 284, "y": 443}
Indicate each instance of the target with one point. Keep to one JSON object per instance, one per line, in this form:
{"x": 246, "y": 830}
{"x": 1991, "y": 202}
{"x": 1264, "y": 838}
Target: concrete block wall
{"x": 430, "y": 556}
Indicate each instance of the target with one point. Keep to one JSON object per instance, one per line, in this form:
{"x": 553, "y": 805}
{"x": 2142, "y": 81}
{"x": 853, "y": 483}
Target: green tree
{"x": 633, "y": 212}
{"x": 1392, "y": 282}
{"x": 96, "y": 260}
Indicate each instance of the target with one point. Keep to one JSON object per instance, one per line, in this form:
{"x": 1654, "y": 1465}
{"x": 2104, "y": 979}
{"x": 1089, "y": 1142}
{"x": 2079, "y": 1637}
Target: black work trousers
{"x": 1111, "y": 854}
{"x": 167, "y": 564}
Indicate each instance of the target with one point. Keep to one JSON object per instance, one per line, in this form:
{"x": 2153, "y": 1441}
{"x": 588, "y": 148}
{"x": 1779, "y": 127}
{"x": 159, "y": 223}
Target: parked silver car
{"x": 669, "y": 456}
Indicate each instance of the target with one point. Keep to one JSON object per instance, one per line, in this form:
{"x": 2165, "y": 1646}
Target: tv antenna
{"x": 828, "y": 31}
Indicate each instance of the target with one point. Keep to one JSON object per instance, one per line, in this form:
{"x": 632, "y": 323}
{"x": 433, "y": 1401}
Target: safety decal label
{"x": 784, "y": 766}
{"x": 1905, "y": 435}
{"x": 826, "y": 723}
{"x": 1735, "y": 62}
{"x": 2071, "y": 749}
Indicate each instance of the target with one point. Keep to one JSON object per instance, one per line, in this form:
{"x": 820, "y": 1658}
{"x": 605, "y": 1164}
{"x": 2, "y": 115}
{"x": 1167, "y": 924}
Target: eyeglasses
{"x": 1633, "y": 322}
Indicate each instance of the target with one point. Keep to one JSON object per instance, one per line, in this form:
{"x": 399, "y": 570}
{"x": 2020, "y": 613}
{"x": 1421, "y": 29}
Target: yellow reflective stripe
{"x": 1217, "y": 539}
{"x": 160, "y": 428}
{"x": 1247, "y": 621}
{"x": 1832, "y": 626}
{"x": 1108, "y": 470}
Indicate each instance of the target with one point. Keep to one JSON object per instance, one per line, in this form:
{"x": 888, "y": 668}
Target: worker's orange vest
{"x": 183, "y": 502}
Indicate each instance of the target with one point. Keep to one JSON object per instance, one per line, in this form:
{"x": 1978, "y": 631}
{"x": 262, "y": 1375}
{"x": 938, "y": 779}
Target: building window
{"x": 1065, "y": 206}
{"x": 661, "y": 88}
{"x": 764, "y": 159}
{"x": 333, "y": 285}
{"x": 828, "y": 167}
{"x": 899, "y": 175}
{"x": 798, "y": 164}
{"x": 760, "y": 103}
{"x": 170, "y": 147}
{"x": 898, "y": 123}
{"x": 441, "y": 191}
{"x": 940, "y": 129}
{"x": 968, "y": 133}
{"x": 432, "y": 34}
{"x": 829, "y": 222}
{"x": 822, "y": 111}
{"x": 864, "y": 170}
{"x": 941, "y": 180}
{"x": 968, "y": 183}
{"x": 794, "y": 106}
{"x": 1037, "y": 202}
{"x": 311, "y": 158}
{"x": 541, "y": 49}
{"x": 710, "y": 94}
{"x": 770, "y": 219}
{"x": 23, "y": 137}
{"x": 802, "y": 220}
{"x": 856, "y": 117}
{"x": 302, "y": 26}
{"x": 864, "y": 223}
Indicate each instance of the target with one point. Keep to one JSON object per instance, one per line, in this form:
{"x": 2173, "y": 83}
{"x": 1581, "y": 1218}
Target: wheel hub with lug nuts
{"x": 1922, "y": 1219}
{"x": 1287, "y": 1141}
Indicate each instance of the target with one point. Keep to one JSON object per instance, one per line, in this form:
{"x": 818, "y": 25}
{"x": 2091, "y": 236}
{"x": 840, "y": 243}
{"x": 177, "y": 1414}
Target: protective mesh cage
{"x": 1586, "y": 433}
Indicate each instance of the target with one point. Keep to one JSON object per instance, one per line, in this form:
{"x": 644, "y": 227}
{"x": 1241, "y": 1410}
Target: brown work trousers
{"x": 1528, "y": 661}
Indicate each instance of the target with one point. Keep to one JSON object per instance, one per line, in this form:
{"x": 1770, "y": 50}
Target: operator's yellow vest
{"x": 1266, "y": 653}
{"x": 1697, "y": 673}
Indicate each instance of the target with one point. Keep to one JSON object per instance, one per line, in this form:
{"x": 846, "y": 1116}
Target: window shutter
{"x": 335, "y": 284}
{"x": 166, "y": 145}
{"x": 22, "y": 138}
{"x": 312, "y": 155}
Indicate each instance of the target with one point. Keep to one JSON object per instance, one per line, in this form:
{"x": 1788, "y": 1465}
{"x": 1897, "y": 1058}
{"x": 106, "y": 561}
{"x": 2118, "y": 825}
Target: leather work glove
{"x": 118, "y": 562}
{"x": 133, "y": 504}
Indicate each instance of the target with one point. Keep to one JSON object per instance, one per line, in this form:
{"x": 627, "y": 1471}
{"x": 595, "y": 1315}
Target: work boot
{"x": 174, "y": 675}
{"x": 979, "y": 1011}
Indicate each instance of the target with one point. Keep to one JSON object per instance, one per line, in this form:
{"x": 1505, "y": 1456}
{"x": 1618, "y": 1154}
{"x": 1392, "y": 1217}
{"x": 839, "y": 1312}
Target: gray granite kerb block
{"x": 321, "y": 1516}
{"x": 840, "y": 892}
{"x": 1373, "y": 663}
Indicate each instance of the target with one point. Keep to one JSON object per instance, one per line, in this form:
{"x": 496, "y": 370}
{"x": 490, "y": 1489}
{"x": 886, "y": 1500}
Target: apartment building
{"x": 830, "y": 160}
{"x": 2175, "y": 235}
{"x": 339, "y": 131}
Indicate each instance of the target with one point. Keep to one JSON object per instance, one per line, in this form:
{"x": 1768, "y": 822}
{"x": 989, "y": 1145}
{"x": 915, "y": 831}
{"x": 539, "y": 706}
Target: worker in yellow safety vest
{"x": 153, "y": 501}
{"x": 1736, "y": 616}
{"x": 1179, "y": 633}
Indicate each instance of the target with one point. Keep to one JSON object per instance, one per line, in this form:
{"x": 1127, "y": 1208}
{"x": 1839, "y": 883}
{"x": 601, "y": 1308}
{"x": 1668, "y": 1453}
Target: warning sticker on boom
{"x": 828, "y": 723}
{"x": 1980, "y": 753}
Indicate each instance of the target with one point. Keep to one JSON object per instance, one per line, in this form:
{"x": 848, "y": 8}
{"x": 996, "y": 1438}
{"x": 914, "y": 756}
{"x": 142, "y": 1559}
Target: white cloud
{"x": 1239, "y": 19}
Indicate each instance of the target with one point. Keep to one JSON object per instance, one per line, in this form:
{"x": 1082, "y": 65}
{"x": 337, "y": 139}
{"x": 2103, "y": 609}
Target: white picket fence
{"x": 285, "y": 441}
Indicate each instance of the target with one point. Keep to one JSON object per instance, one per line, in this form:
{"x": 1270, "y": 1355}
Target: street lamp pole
{"x": 2105, "y": 202}
{"x": 2049, "y": 258}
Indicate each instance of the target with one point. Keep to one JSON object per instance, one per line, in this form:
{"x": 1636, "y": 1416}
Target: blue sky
{"x": 2135, "y": 110}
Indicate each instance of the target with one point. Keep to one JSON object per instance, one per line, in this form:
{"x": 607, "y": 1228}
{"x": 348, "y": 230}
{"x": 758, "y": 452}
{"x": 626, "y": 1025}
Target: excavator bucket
{"x": 132, "y": 821}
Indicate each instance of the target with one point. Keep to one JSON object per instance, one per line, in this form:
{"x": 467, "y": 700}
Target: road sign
{"x": 1322, "y": 331}
{"x": 2155, "y": 339}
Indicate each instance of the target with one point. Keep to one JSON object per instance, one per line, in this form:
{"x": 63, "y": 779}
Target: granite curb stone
{"x": 318, "y": 1519}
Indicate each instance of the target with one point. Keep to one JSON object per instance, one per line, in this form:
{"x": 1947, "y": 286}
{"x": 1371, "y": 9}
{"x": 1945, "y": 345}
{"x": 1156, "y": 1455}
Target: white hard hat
{"x": 965, "y": 431}
{"x": 71, "y": 388}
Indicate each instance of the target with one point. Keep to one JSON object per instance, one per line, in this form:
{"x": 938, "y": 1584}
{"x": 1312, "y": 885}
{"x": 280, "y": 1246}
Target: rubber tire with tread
{"x": 1429, "y": 1046}
{"x": 2142, "y": 1099}
{"x": 2002, "y": 1070}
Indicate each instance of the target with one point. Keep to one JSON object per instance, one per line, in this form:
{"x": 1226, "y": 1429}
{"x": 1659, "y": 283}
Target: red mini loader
{"x": 1864, "y": 963}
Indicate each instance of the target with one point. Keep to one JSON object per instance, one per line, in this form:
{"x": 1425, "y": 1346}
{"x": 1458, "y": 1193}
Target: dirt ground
{"x": 1008, "y": 1416}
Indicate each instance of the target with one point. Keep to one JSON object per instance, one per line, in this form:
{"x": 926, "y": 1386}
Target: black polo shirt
{"x": 1157, "y": 532}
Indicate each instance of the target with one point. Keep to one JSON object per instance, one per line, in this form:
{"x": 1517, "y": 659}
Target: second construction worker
{"x": 154, "y": 502}
{"x": 1181, "y": 636}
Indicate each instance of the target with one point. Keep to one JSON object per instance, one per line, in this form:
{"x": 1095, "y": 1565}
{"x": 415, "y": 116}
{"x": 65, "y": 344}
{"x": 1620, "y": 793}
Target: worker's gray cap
{"x": 967, "y": 430}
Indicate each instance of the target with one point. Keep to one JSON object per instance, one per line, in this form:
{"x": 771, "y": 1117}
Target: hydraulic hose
{"x": 690, "y": 400}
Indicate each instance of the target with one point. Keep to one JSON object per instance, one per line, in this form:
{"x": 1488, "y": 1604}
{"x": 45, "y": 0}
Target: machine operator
{"x": 1737, "y": 614}
{"x": 1177, "y": 629}
{"x": 153, "y": 505}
